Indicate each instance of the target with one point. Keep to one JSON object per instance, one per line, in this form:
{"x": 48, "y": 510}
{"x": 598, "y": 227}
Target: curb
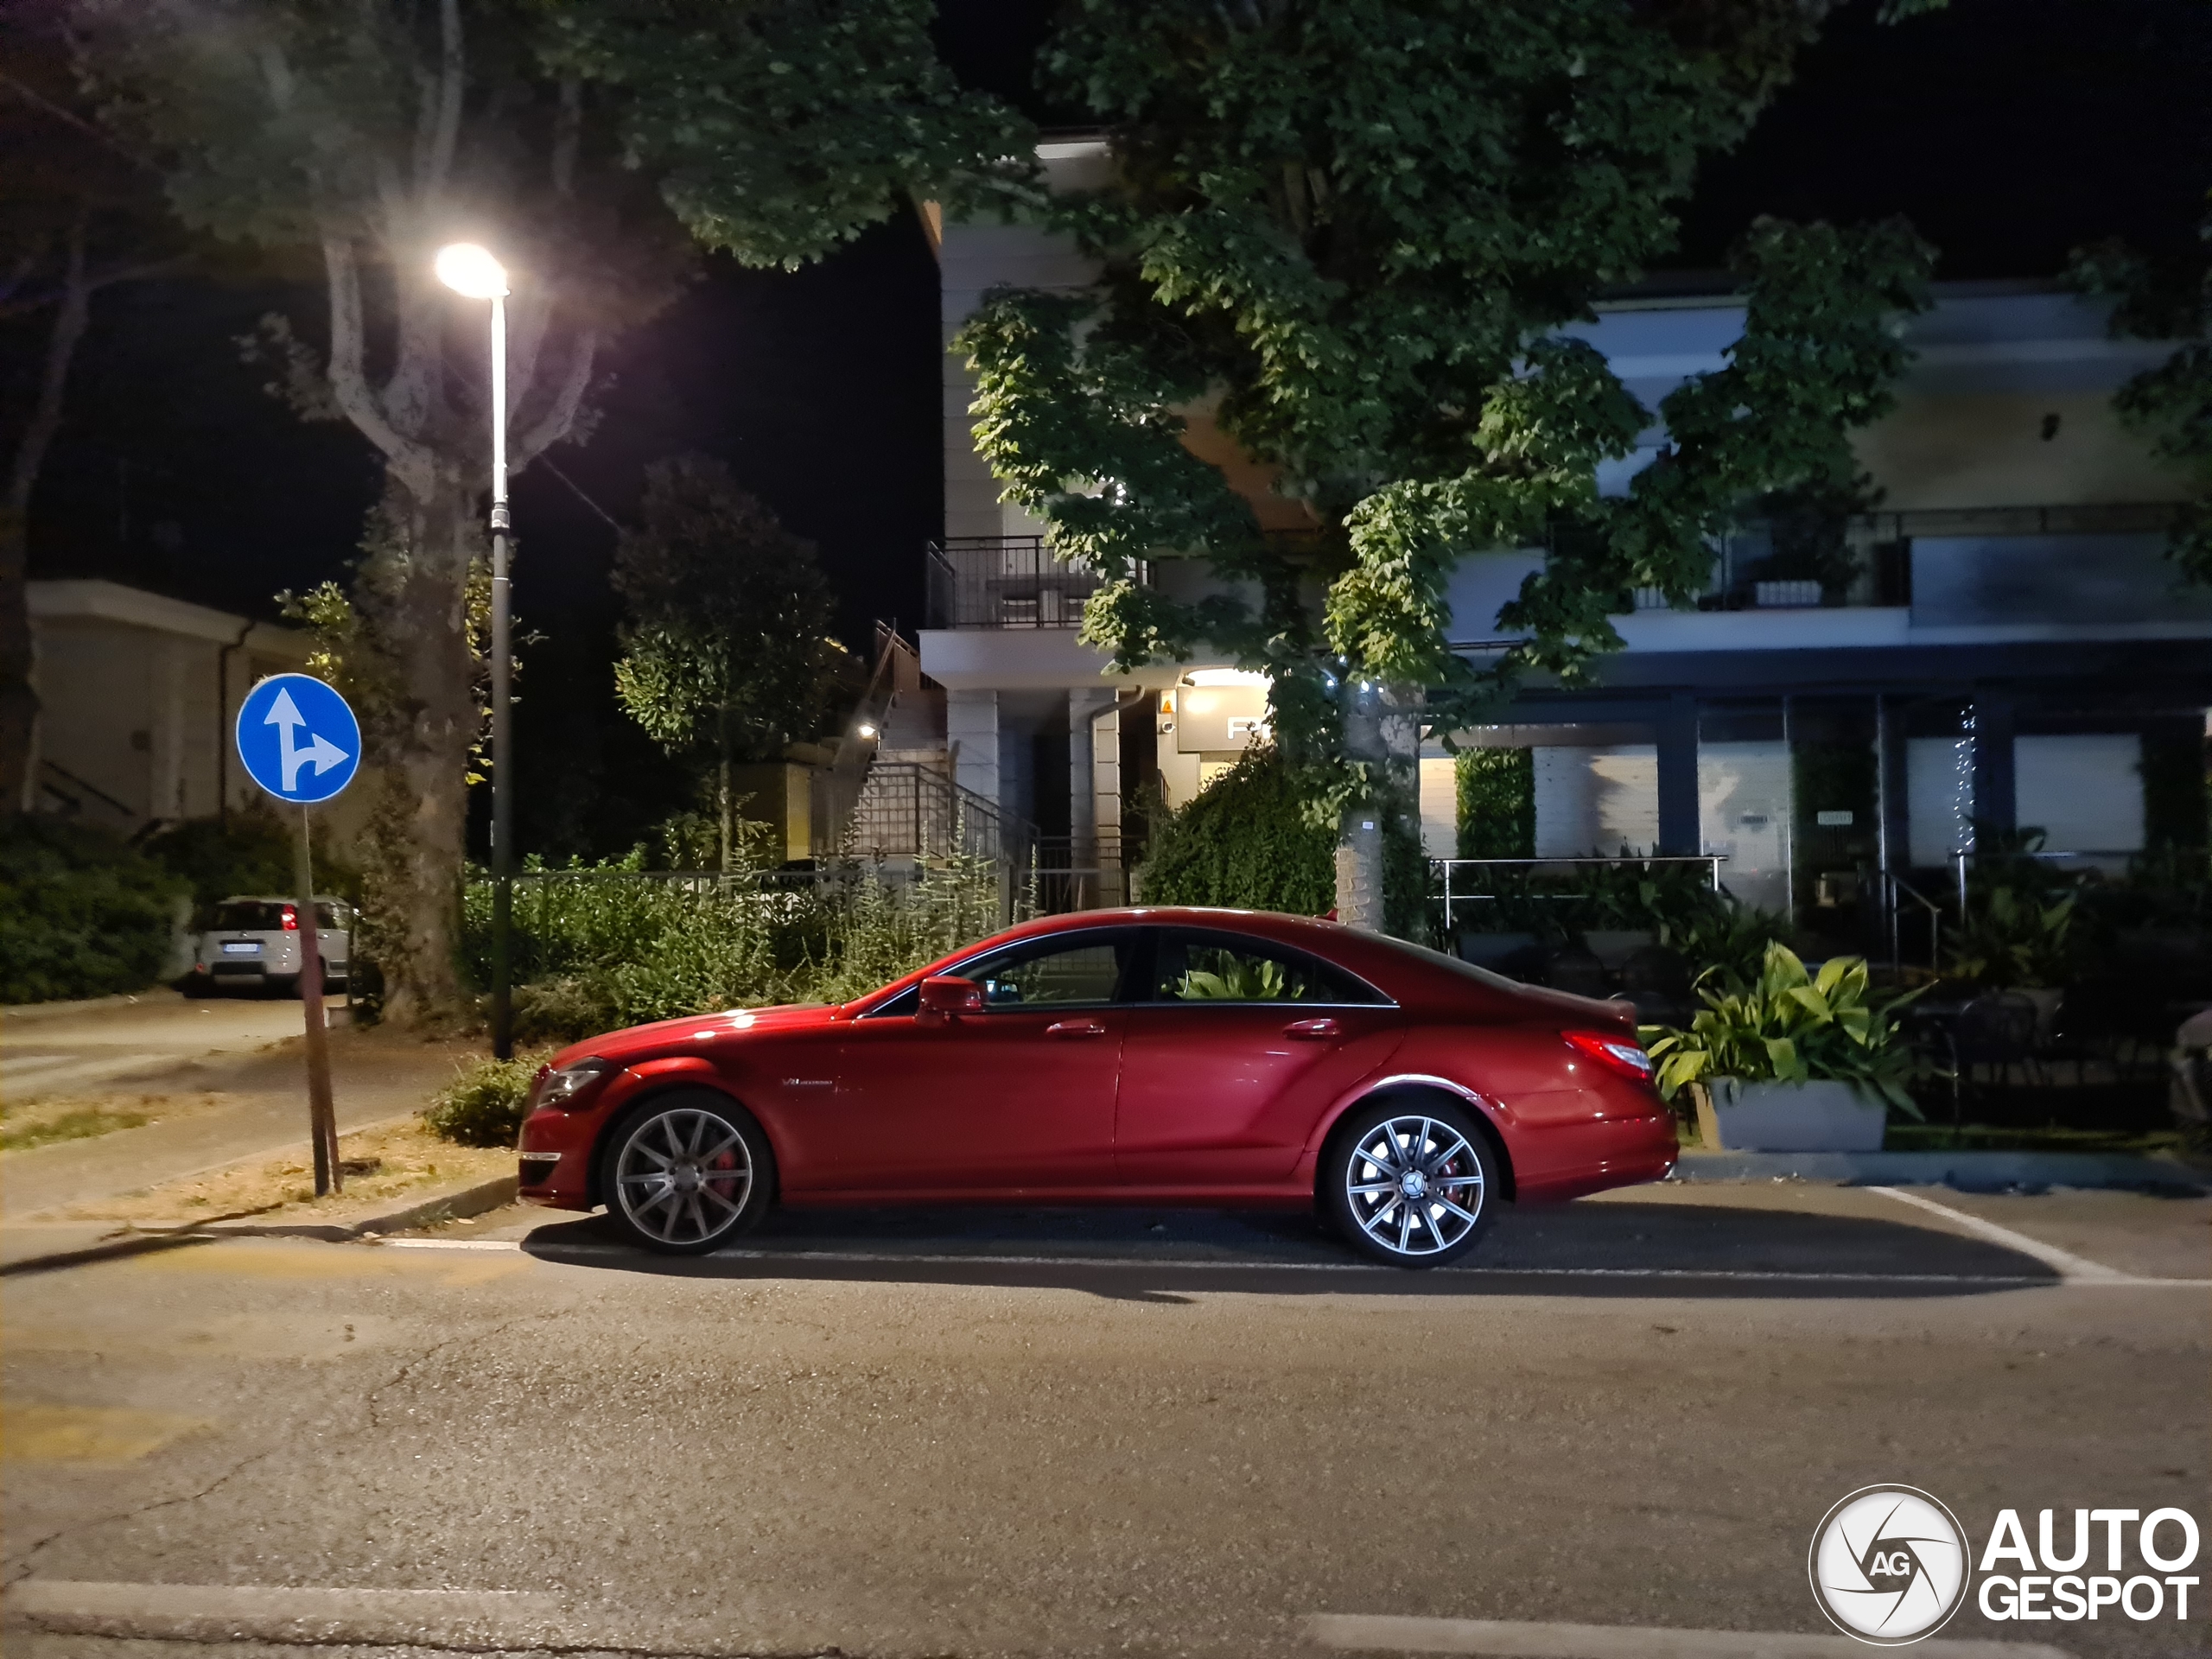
{"x": 1964, "y": 1171}
{"x": 137, "y": 1240}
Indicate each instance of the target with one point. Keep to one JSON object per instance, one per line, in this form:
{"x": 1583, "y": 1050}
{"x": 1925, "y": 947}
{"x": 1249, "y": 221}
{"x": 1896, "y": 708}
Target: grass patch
{"x": 77, "y": 1123}
{"x": 387, "y": 1165}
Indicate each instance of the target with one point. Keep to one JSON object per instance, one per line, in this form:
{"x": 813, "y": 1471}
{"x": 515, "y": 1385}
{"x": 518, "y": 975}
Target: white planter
{"x": 1734, "y": 1115}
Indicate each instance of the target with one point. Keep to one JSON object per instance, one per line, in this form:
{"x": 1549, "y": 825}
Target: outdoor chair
{"x": 1578, "y": 970}
{"x": 1996, "y": 1030}
{"x": 1659, "y": 981}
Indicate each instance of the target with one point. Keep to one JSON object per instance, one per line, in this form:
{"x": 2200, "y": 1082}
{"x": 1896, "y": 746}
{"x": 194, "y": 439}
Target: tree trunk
{"x": 1359, "y": 830}
{"x": 18, "y": 700}
{"x": 414, "y": 597}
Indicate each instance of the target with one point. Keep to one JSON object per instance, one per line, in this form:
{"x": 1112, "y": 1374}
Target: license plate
{"x": 241, "y": 948}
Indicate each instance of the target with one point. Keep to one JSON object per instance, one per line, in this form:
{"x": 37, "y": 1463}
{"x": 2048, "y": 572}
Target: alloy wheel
{"x": 683, "y": 1176}
{"x": 1413, "y": 1185}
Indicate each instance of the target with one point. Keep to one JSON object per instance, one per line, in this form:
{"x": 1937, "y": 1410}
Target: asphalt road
{"x": 931, "y": 1434}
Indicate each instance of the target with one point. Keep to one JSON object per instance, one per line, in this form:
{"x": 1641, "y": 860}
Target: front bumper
{"x": 553, "y": 1158}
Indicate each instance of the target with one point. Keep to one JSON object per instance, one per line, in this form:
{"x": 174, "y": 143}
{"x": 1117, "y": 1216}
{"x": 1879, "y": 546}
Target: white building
{"x": 137, "y": 694}
{"x": 2014, "y": 650}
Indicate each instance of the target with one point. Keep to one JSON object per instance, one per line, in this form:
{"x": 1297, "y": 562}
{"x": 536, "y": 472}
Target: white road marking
{"x": 2074, "y": 1268}
{"x": 1510, "y": 1639}
{"x": 1185, "y": 1263}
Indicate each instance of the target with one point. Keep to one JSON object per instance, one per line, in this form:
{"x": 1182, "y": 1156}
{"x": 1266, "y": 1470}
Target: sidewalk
{"x": 240, "y": 1104}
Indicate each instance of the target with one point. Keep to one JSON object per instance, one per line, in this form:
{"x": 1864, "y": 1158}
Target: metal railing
{"x": 1080, "y": 873}
{"x": 1445, "y": 867}
{"x": 1896, "y": 890}
{"x": 911, "y": 811}
{"x": 1004, "y": 582}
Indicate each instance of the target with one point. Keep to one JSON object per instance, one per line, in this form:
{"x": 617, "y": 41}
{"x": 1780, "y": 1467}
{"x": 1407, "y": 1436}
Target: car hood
{"x": 642, "y": 1042}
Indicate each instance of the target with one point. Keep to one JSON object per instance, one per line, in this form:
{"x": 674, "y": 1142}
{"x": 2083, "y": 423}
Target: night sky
{"x": 2007, "y": 131}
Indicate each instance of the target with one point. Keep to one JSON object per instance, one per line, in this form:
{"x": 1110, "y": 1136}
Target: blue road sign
{"x": 297, "y": 739}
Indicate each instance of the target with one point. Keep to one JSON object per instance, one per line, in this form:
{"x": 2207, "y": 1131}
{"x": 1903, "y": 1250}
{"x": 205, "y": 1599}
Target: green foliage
{"x": 2011, "y": 939}
{"x": 779, "y": 130}
{"x": 1676, "y": 903}
{"x": 252, "y": 853}
{"x": 484, "y": 1105}
{"x": 1791, "y": 1027}
{"x": 82, "y": 913}
{"x": 1350, "y": 235}
{"x": 1243, "y": 979}
{"x": 2171, "y": 404}
{"x": 1497, "y": 792}
{"x": 1248, "y": 843}
{"x": 726, "y": 646}
{"x": 613, "y": 945}
{"x": 1243, "y": 842}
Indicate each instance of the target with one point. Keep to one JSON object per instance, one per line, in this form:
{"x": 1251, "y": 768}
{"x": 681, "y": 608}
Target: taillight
{"x": 291, "y": 919}
{"x": 1622, "y": 1054}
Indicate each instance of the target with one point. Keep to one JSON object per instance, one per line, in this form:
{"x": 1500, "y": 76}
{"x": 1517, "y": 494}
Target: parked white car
{"x": 253, "y": 945}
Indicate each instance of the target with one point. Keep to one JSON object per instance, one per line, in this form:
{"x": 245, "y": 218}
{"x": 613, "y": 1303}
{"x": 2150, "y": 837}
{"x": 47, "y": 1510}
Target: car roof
{"x": 277, "y": 899}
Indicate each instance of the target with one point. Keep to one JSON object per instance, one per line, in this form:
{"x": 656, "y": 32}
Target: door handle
{"x": 1313, "y": 1030}
{"x": 1076, "y": 1028}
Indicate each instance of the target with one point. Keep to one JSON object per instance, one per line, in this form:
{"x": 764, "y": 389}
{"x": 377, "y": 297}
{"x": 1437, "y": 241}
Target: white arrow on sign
{"x": 321, "y": 754}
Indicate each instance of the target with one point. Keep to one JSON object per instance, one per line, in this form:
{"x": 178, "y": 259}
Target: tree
{"x": 581, "y": 139}
{"x": 80, "y": 216}
{"x": 2171, "y": 404}
{"x": 725, "y": 649}
{"x": 1349, "y": 234}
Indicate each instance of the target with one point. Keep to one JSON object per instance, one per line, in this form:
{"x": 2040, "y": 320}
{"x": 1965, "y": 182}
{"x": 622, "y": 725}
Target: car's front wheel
{"x": 688, "y": 1171}
{"x": 1410, "y": 1185}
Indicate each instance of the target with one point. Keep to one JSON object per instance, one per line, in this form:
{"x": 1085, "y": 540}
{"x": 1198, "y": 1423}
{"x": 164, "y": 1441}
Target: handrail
{"x": 1897, "y": 885}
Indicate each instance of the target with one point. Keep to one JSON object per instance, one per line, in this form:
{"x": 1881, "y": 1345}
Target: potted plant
{"x": 2012, "y": 941}
{"x": 1790, "y": 1061}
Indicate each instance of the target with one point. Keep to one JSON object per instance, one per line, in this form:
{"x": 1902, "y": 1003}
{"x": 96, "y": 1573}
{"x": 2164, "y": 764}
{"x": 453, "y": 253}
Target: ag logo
{"x": 1889, "y": 1565}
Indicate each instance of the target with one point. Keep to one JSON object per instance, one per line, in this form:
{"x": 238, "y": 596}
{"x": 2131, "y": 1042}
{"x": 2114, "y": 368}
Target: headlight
{"x": 561, "y": 1086}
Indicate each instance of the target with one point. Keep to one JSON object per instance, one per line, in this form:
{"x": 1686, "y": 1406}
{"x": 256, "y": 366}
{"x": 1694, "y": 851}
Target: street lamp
{"x": 468, "y": 269}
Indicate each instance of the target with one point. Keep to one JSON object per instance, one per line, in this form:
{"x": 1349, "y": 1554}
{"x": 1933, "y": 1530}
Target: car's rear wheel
{"x": 1410, "y": 1184}
{"x": 688, "y": 1171}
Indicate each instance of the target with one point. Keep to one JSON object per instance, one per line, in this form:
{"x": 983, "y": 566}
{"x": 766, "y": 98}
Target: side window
{"x": 1222, "y": 967}
{"x": 1051, "y": 973}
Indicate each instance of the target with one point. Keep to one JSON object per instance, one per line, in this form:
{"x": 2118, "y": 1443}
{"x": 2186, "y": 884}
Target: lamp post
{"x": 468, "y": 269}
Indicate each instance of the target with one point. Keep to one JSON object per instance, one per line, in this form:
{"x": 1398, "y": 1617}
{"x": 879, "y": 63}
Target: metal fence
{"x": 1459, "y": 881}
{"x": 1004, "y": 582}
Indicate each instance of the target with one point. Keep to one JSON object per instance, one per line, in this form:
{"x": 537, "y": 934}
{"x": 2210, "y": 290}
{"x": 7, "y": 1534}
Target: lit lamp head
{"x": 467, "y": 268}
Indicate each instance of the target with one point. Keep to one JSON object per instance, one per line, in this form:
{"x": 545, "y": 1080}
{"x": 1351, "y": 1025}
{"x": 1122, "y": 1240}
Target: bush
{"x": 1246, "y": 843}
{"x": 1496, "y": 791}
{"x": 483, "y": 1105}
{"x": 250, "y": 854}
{"x": 82, "y": 912}
{"x": 599, "y": 947}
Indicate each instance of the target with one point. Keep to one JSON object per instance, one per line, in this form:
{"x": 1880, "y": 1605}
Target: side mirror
{"x": 947, "y": 994}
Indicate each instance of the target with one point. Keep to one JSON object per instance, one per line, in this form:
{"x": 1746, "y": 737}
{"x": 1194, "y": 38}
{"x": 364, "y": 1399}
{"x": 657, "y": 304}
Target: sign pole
{"x": 322, "y": 1117}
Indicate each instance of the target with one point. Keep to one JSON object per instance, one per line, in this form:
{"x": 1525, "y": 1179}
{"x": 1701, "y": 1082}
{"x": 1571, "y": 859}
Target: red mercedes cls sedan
{"x": 1150, "y": 1056}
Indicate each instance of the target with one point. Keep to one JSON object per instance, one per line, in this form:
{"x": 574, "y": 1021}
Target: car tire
{"x": 684, "y": 1171}
{"x": 1410, "y": 1183}
{"x": 282, "y": 985}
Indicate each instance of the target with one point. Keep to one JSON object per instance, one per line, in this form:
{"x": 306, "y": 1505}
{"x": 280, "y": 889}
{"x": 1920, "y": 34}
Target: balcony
{"x": 1004, "y": 582}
